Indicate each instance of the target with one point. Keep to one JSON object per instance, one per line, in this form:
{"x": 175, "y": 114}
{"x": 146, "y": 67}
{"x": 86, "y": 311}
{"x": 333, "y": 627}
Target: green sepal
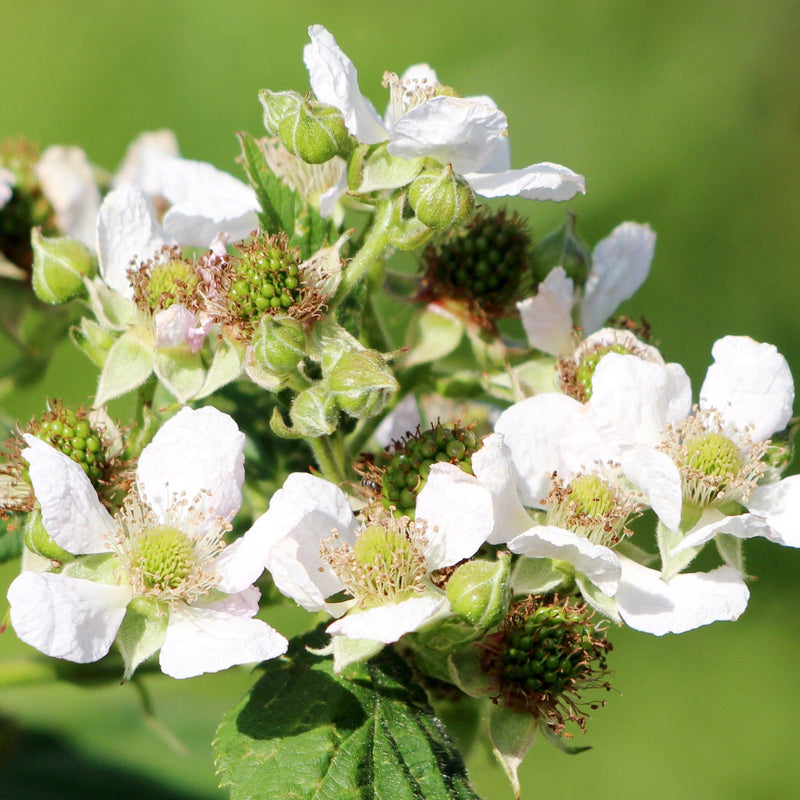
{"x": 607, "y": 606}
{"x": 112, "y": 310}
{"x": 180, "y": 371}
{"x": 731, "y": 550}
{"x": 371, "y": 168}
{"x": 538, "y": 576}
{"x": 347, "y": 651}
{"x": 479, "y": 592}
{"x": 672, "y": 564}
{"x": 98, "y": 568}
{"x": 259, "y": 374}
{"x": 140, "y": 635}
{"x": 279, "y": 427}
{"x": 226, "y": 366}
{"x": 314, "y": 412}
{"x": 560, "y": 742}
{"x": 511, "y": 735}
{"x": 432, "y": 335}
{"x": 304, "y": 732}
{"x": 93, "y": 339}
{"x": 128, "y": 366}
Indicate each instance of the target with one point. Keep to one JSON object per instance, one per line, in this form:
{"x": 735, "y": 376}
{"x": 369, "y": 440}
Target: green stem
{"x": 322, "y": 447}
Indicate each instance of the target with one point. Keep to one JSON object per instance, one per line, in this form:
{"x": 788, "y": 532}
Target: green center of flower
{"x": 407, "y": 466}
{"x": 170, "y": 283}
{"x": 592, "y": 496}
{"x": 713, "y": 454}
{"x": 588, "y": 364}
{"x": 164, "y": 556}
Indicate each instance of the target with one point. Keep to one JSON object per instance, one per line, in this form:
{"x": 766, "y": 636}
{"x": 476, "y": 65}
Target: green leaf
{"x": 305, "y": 732}
{"x": 312, "y": 231}
{"x": 277, "y": 200}
{"x": 351, "y": 309}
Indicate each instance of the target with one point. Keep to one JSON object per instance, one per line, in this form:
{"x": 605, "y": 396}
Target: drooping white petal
{"x": 7, "y": 182}
{"x": 742, "y": 526}
{"x": 286, "y": 539}
{"x": 750, "y": 384}
{"x": 543, "y": 181}
{"x": 658, "y": 478}
{"x": 66, "y": 617}
{"x": 72, "y": 514}
{"x": 687, "y": 601}
{"x": 388, "y": 623}
{"x": 205, "y": 202}
{"x": 779, "y": 504}
{"x": 457, "y": 510}
{"x": 143, "y": 160}
{"x": 493, "y": 467}
{"x": 452, "y": 130}
{"x": 334, "y": 80}
{"x": 208, "y": 639}
{"x": 599, "y": 564}
{"x": 633, "y": 400}
{"x": 198, "y": 453}
{"x": 68, "y": 182}
{"x": 547, "y": 317}
{"x": 620, "y": 265}
{"x": 127, "y": 231}
{"x": 533, "y": 429}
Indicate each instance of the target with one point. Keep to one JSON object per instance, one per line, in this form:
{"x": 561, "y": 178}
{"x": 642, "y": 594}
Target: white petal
{"x": 532, "y": 429}
{"x": 655, "y": 475}
{"x": 196, "y": 452}
{"x": 388, "y": 623}
{"x": 334, "y": 80}
{"x": 204, "y": 639}
{"x": 688, "y": 601}
{"x": 750, "y": 384}
{"x": 205, "y": 202}
{"x": 7, "y": 182}
{"x": 633, "y": 400}
{"x": 127, "y": 231}
{"x": 286, "y": 539}
{"x": 620, "y": 265}
{"x": 493, "y": 467}
{"x": 72, "y": 514}
{"x": 779, "y": 503}
{"x": 144, "y": 158}
{"x": 66, "y": 617}
{"x": 68, "y": 183}
{"x": 543, "y": 181}
{"x": 599, "y": 564}
{"x": 742, "y": 526}
{"x": 547, "y": 317}
{"x": 457, "y": 510}
{"x": 452, "y": 130}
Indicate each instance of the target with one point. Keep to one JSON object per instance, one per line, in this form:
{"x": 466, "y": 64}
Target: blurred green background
{"x": 683, "y": 115}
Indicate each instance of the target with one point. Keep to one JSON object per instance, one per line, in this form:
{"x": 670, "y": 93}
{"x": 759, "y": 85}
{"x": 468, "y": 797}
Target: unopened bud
{"x": 39, "y": 541}
{"x": 59, "y": 266}
{"x": 441, "y": 200}
{"x": 479, "y": 591}
{"x": 314, "y": 412}
{"x": 277, "y": 107}
{"x": 279, "y": 344}
{"x": 315, "y": 132}
{"x": 362, "y": 383}
{"x": 562, "y": 248}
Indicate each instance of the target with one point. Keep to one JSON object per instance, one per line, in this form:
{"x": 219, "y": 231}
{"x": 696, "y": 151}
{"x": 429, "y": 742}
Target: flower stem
{"x": 324, "y": 453}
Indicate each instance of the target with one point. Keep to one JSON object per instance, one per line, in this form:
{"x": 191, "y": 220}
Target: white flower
{"x": 165, "y": 550}
{"x": 620, "y": 265}
{"x": 7, "y": 182}
{"x": 315, "y": 548}
{"x": 424, "y": 119}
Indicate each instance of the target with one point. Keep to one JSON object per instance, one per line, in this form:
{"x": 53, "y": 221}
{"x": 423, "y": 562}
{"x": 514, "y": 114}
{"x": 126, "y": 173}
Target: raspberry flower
{"x": 154, "y": 576}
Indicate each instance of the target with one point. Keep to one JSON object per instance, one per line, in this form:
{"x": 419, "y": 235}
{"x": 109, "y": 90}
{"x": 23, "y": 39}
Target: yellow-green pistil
{"x": 164, "y": 556}
{"x": 171, "y": 283}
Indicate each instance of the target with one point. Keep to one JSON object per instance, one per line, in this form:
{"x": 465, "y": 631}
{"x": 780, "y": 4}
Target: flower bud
{"x": 314, "y": 412}
{"x": 479, "y": 591}
{"x": 277, "y": 107}
{"x": 441, "y": 200}
{"x": 315, "y": 132}
{"x": 562, "y": 248}
{"x": 279, "y": 344}
{"x": 59, "y": 266}
{"x": 38, "y": 540}
{"x": 362, "y": 383}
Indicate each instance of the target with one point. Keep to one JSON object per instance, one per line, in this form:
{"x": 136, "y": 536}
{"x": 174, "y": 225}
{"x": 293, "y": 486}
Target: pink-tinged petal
{"x": 779, "y": 504}
{"x": 176, "y": 326}
{"x": 198, "y": 455}
{"x": 388, "y": 623}
{"x": 687, "y": 601}
{"x": 72, "y": 514}
{"x": 620, "y": 265}
{"x": 544, "y": 181}
{"x": 66, "y": 617}
{"x": 742, "y": 526}
{"x": 532, "y": 430}
{"x": 204, "y": 639}
{"x": 452, "y": 130}
{"x": 457, "y": 511}
{"x": 657, "y": 477}
{"x": 68, "y": 182}
{"x": 205, "y": 202}
{"x": 127, "y": 231}
{"x": 750, "y": 384}
{"x": 493, "y": 467}
{"x": 334, "y": 80}
{"x": 144, "y": 158}
{"x": 633, "y": 400}
{"x": 286, "y": 540}
{"x": 547, "y": 317}
{"x": 599, "y": 564}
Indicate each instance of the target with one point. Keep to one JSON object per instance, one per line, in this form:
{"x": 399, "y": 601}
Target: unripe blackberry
{"x": 544, "y": 655}
{"x": 485, "y": 264}
{"x": 404, "y": 467}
